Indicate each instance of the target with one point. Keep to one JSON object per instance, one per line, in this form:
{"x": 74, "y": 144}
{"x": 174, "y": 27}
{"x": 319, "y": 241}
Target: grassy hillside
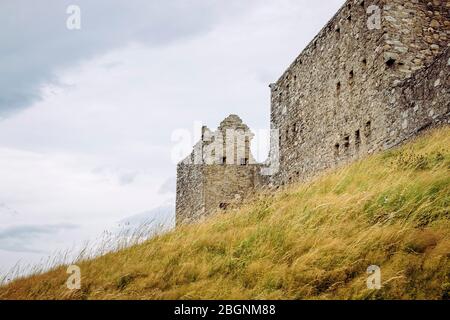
{"x": 313, "y": 241}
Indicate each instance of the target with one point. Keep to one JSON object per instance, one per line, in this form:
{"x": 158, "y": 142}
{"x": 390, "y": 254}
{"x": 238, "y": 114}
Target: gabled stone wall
{"x": 221, "y": 172}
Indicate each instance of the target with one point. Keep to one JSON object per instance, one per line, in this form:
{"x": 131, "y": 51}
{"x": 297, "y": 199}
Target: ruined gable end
{"x": 225, "y": 172}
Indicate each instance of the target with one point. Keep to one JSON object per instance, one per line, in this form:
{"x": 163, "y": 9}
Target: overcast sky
{"x": 87, "y": 116}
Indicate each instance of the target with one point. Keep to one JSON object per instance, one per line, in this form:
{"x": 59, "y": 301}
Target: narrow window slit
{"x": 347, "y": 143}
{"x": 336, "y": 149}
{"x": 244, "y": 161}
{"x": 368, "y": 129}
{"x": 357, "y": 139}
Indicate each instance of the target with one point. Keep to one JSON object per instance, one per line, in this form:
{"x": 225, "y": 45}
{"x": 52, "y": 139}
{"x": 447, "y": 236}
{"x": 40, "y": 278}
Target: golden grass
{"x": 312, "y": 241}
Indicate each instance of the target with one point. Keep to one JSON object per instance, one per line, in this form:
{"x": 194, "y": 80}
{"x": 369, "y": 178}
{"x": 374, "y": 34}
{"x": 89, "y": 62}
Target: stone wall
{"x": 229, "y": 185}
{"x": 416, "y": 32}
{"x": 206, "y": 189}
{"x": 329, "y": 106}
{"x": 190, "y": 204}
{"x": 419, "y": 102}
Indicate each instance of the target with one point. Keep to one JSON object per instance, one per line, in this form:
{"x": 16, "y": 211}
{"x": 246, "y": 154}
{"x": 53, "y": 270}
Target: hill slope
{"x": 313, "y": 241}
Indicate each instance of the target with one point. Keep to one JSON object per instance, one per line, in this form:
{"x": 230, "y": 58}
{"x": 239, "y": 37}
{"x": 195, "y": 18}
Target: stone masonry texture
{"x": 353, "y": 91}
{"x": 219, "y": 173}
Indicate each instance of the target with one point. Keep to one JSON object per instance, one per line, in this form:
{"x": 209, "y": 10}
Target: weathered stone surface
{"x": 335, "y": 105}
{"x": 219, "y": 173}
{"x": 353, "y": 91}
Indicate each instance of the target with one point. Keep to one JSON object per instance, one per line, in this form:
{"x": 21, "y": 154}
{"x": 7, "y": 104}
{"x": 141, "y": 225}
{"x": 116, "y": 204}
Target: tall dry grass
{"x": 121, "y": 237}
{"x": 311, "y": 241}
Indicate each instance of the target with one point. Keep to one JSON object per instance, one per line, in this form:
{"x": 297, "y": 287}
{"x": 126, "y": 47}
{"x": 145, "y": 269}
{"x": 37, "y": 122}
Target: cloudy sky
{"x": 87, "y": 116}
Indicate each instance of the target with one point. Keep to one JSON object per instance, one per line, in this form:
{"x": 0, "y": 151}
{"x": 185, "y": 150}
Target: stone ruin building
{"x": 361, "y": 86}
{"x": 219, "y": 172}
